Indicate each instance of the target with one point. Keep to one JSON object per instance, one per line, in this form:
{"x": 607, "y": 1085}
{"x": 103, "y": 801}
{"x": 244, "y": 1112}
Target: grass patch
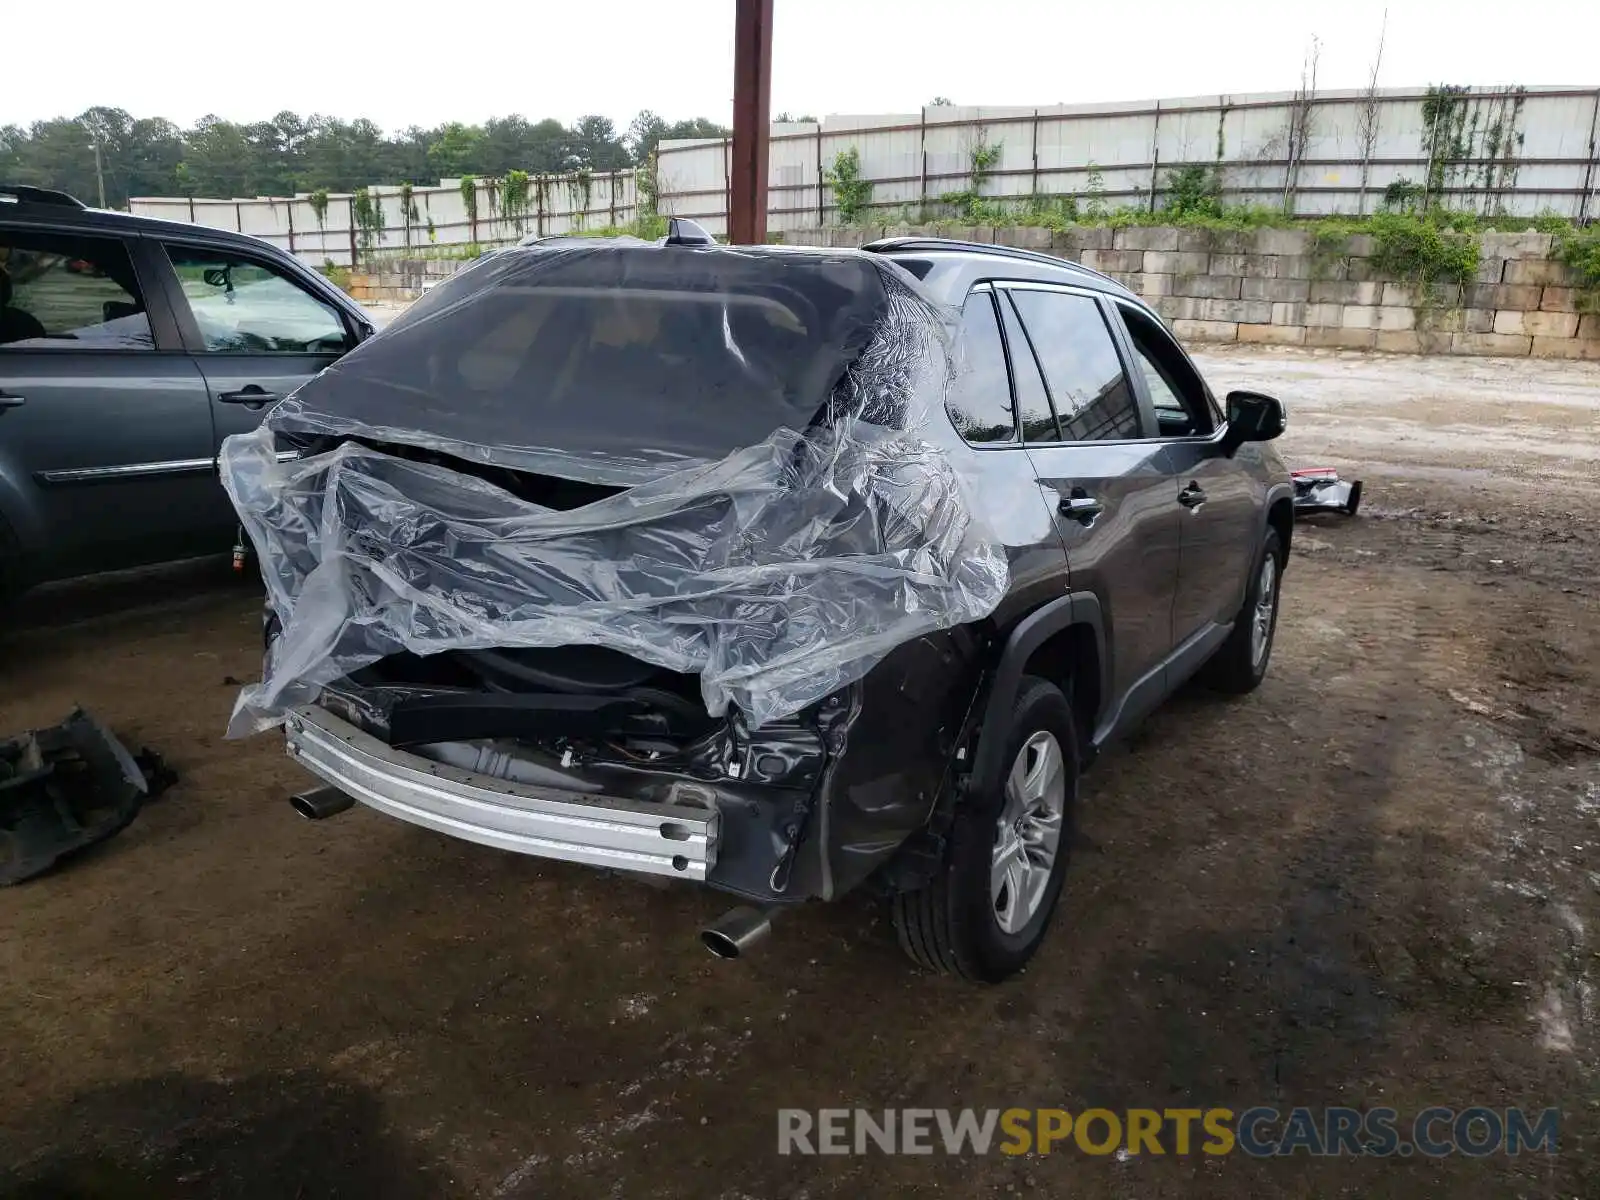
{"x": 1423, "y": 251}
{"x": 1579, "y": 249}
{"x": 336, "y": 275}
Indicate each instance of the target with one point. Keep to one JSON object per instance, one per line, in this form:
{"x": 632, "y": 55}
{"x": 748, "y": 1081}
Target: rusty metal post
{"x": 1594, "y": 160}
{"x": 821, "y": 183}
{"x": 752, "y": 105}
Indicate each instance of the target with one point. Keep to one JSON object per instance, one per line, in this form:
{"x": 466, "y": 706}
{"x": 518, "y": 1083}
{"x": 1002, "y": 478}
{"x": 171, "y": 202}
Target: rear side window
{"x": 66, "y": 292}
{"x": 1091, "y": 395}
{"x": 979, "y": 398}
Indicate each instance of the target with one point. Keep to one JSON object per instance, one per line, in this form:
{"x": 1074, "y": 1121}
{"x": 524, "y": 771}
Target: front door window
{"x": 243, "y": 307}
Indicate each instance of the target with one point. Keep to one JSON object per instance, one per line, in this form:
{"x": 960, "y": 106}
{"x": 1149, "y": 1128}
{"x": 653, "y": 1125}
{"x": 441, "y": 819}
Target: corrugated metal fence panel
{"x": 561, "y": 204}
{"x": 1524, "y": 151}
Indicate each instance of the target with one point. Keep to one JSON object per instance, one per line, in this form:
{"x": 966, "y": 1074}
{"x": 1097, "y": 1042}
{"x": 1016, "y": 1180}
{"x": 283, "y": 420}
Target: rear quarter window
{"x": 979, "y": 397}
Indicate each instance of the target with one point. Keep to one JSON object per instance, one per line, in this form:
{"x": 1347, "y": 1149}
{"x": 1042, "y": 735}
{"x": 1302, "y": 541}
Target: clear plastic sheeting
{"x": 711, "y": 459}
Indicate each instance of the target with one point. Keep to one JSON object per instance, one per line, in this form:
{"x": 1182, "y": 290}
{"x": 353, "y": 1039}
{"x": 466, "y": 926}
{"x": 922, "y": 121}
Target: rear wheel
{"x": 1240, "y": 663}
{"x": 986, "y": 912}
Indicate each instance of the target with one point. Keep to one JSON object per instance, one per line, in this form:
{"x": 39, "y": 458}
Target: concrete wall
{"x": 1271, "y": 286}
{"x": 1520, "y": 150}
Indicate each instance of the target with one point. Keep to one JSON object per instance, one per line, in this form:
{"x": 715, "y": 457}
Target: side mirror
{"x": 1252, "y": 417}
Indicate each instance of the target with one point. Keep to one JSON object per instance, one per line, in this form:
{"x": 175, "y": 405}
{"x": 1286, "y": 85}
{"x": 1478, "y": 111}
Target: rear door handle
{"x": 251, "y": 396}
{"x": 7, "y": 400}
{"x": 1192, "y": 496}
{"x": 1081, "y": 508}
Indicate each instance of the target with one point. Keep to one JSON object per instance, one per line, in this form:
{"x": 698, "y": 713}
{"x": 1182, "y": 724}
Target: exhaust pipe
{"x": 737, "y": 930}
{"x": 320, "y": 802}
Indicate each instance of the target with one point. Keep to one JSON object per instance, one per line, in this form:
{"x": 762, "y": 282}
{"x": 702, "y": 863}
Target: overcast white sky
{"x": 409, "y": 62}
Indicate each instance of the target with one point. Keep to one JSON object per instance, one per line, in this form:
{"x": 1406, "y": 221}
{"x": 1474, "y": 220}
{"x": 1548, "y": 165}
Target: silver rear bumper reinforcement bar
{"x": 676, "y": 838}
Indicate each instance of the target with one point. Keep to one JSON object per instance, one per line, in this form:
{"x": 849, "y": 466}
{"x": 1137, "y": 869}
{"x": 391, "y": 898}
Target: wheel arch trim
{"x": 1038, "y": 627}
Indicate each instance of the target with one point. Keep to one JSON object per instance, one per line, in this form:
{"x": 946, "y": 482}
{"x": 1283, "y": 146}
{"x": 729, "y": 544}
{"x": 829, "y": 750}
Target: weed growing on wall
{"x": 581, "y": 189}
{"x": 1194, "y": 191}
{"x": 1579, "y": 249}
{"x": 969, "y": 204}
{"x": 1052, "y": 212}
{"x": 1423, "y": 251}
{"x": 851, "y": 193}
{"x": 514, "y": 199}
{"x": 336, "y": 275}
{"x": 367, "y": 210}
{"x": 1094, "y": 191}
{"x": 409, "y": 213}
{"x": 646, "y": 187}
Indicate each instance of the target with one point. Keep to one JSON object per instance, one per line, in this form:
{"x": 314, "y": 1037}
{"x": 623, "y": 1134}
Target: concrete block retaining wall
{"x": 1272, "y": 286}
{"x": 1269, "y": 286}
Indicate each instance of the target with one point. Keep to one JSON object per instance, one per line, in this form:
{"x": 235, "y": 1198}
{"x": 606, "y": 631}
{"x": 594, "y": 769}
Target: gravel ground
{"x": 1368, "y": 883}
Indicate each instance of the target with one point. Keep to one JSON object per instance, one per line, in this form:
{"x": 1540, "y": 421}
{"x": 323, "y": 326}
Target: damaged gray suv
{"x": 783, "y": 571}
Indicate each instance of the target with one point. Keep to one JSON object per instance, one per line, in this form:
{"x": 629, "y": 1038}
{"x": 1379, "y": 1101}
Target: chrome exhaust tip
{"x": 320, "y": 803}
{"x": 737, "y": 930}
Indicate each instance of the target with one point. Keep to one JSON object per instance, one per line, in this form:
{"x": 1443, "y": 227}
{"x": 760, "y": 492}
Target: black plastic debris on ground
{"x": 67, "y": 787}
{"x": 1320, "y": 490}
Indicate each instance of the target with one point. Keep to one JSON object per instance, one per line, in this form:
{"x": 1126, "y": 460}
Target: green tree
{"x": 595, "y": 145}
{"x": 219, "y": 158}
{"x": 149, "y": 165}
{"x": 698, "y": 127}
{"x": 645, "y": 131}
{"x": 455, "y": 150}
{"x": 288, "y": 152}
{"x": 406, "y": 157}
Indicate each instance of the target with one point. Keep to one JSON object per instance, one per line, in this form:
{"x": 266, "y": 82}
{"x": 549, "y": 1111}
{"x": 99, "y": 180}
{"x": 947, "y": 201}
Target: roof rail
{"x": 883, "y": 245}
{"x": 24, "y": 194}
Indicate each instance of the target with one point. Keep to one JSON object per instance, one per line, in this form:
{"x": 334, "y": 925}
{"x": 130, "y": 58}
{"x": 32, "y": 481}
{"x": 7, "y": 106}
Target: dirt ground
{"x": 1369, "y": 883}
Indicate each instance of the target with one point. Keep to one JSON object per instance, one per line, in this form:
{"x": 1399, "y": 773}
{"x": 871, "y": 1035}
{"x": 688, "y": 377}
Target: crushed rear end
{"x": 609, "y": 554}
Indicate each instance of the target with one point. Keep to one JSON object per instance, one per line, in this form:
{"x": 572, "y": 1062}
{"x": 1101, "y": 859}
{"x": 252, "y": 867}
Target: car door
{"x": 255, "y": 331}
{"x": 105, "y": 430}
{"x": 1108, "y": 483}
{"x": 1220, "y": 528}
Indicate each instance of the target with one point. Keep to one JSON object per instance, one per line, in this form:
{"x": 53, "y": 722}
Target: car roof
{"x": 43, "y": 206}
{"x": 1013, "y": 262}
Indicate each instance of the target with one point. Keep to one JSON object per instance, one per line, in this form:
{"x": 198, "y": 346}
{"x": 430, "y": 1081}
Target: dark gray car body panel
{"x": 1104, "y": 582}
{"x": 111, "y": 459}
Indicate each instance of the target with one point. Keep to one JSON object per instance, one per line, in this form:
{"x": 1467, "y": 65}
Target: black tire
{"x": 950, "y": 926}
{"x": 1234, "y": 668}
